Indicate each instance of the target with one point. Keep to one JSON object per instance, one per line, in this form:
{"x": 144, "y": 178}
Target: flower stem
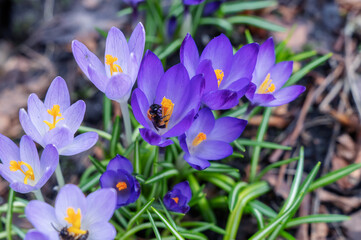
{"x": 9, "y": 214}
{"x": 126, "y": 120}
{"x": 39, "y": 195}
{"x": 59, "y": 176}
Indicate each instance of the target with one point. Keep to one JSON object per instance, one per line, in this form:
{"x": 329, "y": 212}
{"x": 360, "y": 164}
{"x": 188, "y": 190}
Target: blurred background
{"x": 35, "y": 47}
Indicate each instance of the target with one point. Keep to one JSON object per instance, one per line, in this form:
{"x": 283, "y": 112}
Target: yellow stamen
{"x": 16, "y": 166}
{"x": 219, "y": 75}
{"x": 55, "y": 112}
{"x": 199, "y": 138}
{"x": 167, "y": 110}
{"x": 110, "y": 60}
{"x": 267, "y": 86}
{"x": 122, "y": 185}
{"x": 74, "y": 219}
{"x": 176, "y": 200}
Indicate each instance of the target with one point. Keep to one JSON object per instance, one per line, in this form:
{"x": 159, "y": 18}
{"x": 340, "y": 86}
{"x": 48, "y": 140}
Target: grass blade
{"x": 139, "y": 213}
{"x": 155, "y": 229}
{"x": 275, "y": 165}
{"x": 161, "y": 175}
{"x": 168, "y": 225}
{"x": 236, "y": 7}
{"x": 233, "y": 195}
{"x": 317, "y": 218}
{"x": 9, "y": 214}
{"x": 257, "y": 22}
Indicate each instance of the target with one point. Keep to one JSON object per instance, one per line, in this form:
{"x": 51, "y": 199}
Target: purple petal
{"x": 29, "y": 127}
{"x": 84, "y": 58}
{"x": 285, "y": 95}
{"x": 73, "y": 116}
{"x": 213, "y": 150}
{"x": 221, "y": 99}
{"x": 37, "y": 113}
{"x": 251, "y": 91}
{"x": 60, "y": 137}
{"x": 80, "y": 144}
{"x": 36, "y": 235}
{"x": 108, "y": 179}
{"x": 192, "y": 2}
{"x": 262, "y": 99}
{"x": 100, "y": 206}
{"x": 102, "y": 230}
{"x": 140, "y": 107}
{"x": 58, "y": 94}
{"x": 137, "y": 41}
{"x": 265, "y": 60}
{"x": 21, "y": 187}
{"x": 243, "y": 63}
{"x": 8, "y": 150}
{"x": 204, "y": 122}
{"x": 48, "y": 163}
{"x": 117, "y": 46}
{"x": 42, "y": 216}
{"x": 181, "y": 126}
{"x": 280, "y": 73}
{"x": 184, "y": 188}
{"x": 150, "y": 72}
{"x": 189, "y": 55}
{"x": 241, "y": 86}
{"x": 69, "y": 196}
{"x": 196, "y": 163}
{"x": 183, "y": 143}
{"x": 120, "y": 162}
{"x": 227, "y": 129}
{"x": 99, "y": 79}
{"x": 205, "y": 68}
{"x": 119, "y": 87}
{"x": 29, "y": 153}
{"x": 154, "y": 139}
{"x": 133, "y": 68}
{"x": 219, "y": 50}
{"x": 9, "y": 175}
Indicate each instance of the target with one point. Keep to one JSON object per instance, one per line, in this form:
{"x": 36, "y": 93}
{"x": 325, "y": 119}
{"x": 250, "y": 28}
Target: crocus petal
{"x": 37, "y": 113}
{"x": 9, "y": 175}
{"x": 29, "y": 154}
{"x": 189, "y": 55}
{"x": 183, "y": 143}
{"x": 243, "y": 63}
{"x": 185, "y": 189}
{"x": 241, "y": 86}
{"x": 150, "y": 72}
{"x": 285, "y": 95}
{"x": 265, "y": 60}
{"x": 204, "y": 122}
{"x": 221, "y": 99}
{"x": 251, "y": 90}
{"x": 120, "y": 162}
{"x": 108, "y": 179}
{"x": 84, "y": 58}
{"x": 140, "y": 107}
{"x": 192, "y": 2}
{"x": 29, "y": 127}
{"x": 181, "y": 126}
{"x": 119, "y": 87}
{"x": 73, "y": 116}
{"x": 59, "y": 137}
{"x": 69, "y": 196}
{"x": 58, "y": 94}
{"x": 137, "y": 41}
{"x": 205, "y": 68}
{"x": 36, "y": 235}
{"x": 117, "y": 46}
{"x": 213, "y": 150}
{"x": 227, "y": 129}
{"x": 262, "y": 99}
{"x": 219, "y": 50}
{"x": 42, "y": 216}
{"x": 154, "y": 139}
{"x": 280, "y": 73}
{"x": 97, "y": 78}
{"x": 48, "y": 163}
{"x": 21, "y": 187}
{"x": 133, "y": 68}
{"x": 196, "y": 163}
{"x": 8, "y": 150}
{"x": 80, "y": 144}
{"x": 100, "y": 206}
{"x": 102, "y": 230}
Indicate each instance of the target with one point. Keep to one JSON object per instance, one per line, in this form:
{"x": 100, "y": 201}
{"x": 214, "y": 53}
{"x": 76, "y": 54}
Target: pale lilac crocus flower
{"x": 56, "y": 121}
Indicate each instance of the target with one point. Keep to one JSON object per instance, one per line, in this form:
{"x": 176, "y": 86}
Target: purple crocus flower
{"x": 192, "y": 2}
{"x": 177, "y": 199}
{"x": 165, "y": 103}
{"x": 269, "y": 78}
{"x": 227, "y": 76}
{"x": 75, "y": 216}
{"x": 22, "y": 168}
{"x": 119, "y": 177}
{"x": 55, "y": 121}
{"x": 208, "y": 139}
{"x": 35, "y": 235}
{"x": 122, "y": 60}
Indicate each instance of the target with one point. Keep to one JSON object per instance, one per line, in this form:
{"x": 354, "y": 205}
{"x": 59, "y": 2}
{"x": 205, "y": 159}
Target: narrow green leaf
{"x": 137, "y": 167}
{"x": 167, "y": 173}
{"x": 107, "y": 113}
{"x": 168, "y": 225}
{"x": 209, "y": 226}
{"x": 125, "y": 11}
{"x": 287, "y": 236}
{"x": 193, "y": 235}
{"x": 257, "y": 22}
{"x": 9, "y": 214}
{"x": 139, "y": 213}
{"x": 223, "y": 181}
{"x": 236, "y": 7}
{"x": 138, "y": 228}
{"x": 91, "y": 183}
{"x": 97, "y": 164}
{"x": 103, "y": 33}
{"x": 317, "y": 218}
{"x": 303, "y": 55}
{"x": 174, "y": 46}
{"x": 258, "y": 215}
{"x": 115, "y": 137}
{"x": 233, "y": 195}
{"x": 197, "y": 16}
{"x": 263, "y": 208}
{"x": 275, "y": 165}
{"x": 222, "y": 23}
{"x": 239, "y": 111}
{"x": 155, "y": 229}
{"x": 248, "y": 35}
{"x": 169, "y": 216}
{"x": 269, "y": 145}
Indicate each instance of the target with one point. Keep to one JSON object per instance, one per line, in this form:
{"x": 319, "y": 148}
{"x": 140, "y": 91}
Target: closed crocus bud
{"x": 177, "y": 199}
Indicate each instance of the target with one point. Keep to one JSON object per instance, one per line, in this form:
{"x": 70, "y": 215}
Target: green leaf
{"x": 263, "y": 208}
{"x": 103, "y": 33}
{"x": 223, "y": 181}
{"x": 222, "y": 23}
{"x": 303, "y": 55}
{"x": 207, "y": 225}
{"x": 168, "y": 225}
{"x": 91, "y": 183}
{"x": 269, "y": 145}
{"x": 333, "y": 176}
{"x": 257, "y": 22}
{"x": 275, "y": 165}
{"x": 115, "y": 137}
{"x": 317, "y": 218}
{"x": 248, "y": 35}
{"x": 174, "y": 46}
{"x": 236, "y": 7}
{"x": 233, "y": 195}
{"x": 107, "y": 113}
{"x": 124, "y": 12}
{"x": 161, "y": 175}
{"x": 9, "y": 214}
{"x": 287, "y": 236}
{"x": 97, "y": 164}
{"x": 155, "y": 229}
{"x": 139, "y": 213}
{"x": 193, "y": 235}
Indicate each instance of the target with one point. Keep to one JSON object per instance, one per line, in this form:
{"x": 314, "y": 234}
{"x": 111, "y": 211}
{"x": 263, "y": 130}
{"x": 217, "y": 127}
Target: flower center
{"x": 220, "y": 75}
{"x": 199, "y": 138}
{"x": 167, "y": 110}
{"x": 267, "y": 86}
{"x": 16, "y": 166}
{"x": 122, "y": 185}
{"x": 176, "y": 200}
{"x": 110, "y": 60}
{"x": 55, "y": 112}
{"x": 74, "y": 219}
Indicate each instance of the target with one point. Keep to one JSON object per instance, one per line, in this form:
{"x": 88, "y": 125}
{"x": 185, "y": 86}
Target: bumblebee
{"x": 156, "y": 116}
{"x": 64, "y": 234}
